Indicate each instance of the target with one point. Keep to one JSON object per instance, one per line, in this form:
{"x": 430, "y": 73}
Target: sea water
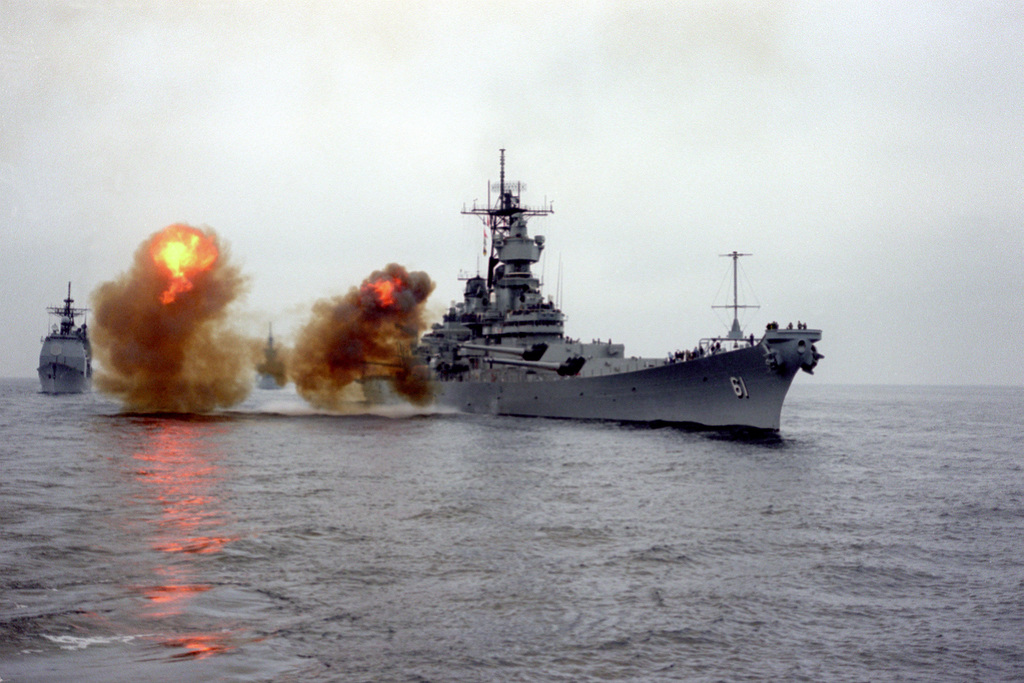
{"x": 877, "y": 537}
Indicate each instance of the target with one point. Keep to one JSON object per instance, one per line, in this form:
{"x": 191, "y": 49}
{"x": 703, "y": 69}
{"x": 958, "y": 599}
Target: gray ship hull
{"x": 64, "y": 368}
{"x": 267, "y": 382}
{"x": 730, "y": 389}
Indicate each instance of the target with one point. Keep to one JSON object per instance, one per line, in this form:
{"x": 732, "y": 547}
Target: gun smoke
{"x": 366, "y": 334}
{"x": 164, "y": 342}
{"x": 161, "y": 332}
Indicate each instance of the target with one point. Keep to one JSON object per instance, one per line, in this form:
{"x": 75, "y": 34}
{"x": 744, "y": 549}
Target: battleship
{"x": 65, "y": 361}
{"x": 503, "y": 350}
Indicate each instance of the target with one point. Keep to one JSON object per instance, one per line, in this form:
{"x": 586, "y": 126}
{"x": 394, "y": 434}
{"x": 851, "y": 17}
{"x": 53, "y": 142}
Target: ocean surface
{"x": 879, "y": 537}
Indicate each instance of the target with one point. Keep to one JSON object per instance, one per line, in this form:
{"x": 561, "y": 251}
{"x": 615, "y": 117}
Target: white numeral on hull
{"x": 739, "y": 387}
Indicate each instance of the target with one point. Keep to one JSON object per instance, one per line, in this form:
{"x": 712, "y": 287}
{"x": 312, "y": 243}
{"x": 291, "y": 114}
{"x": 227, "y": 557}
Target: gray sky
{"x": 870, "y": 156}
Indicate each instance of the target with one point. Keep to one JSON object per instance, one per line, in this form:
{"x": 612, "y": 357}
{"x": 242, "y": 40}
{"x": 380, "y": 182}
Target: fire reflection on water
{"x": 179, "y": 473}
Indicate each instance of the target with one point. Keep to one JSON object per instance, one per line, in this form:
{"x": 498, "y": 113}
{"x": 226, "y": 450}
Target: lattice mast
{"x": 499, "y": 216}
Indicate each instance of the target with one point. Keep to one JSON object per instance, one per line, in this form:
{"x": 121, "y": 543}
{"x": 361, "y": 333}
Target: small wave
{"x": 445, "y": 512}
{"x": 83, "y": 642}
{"x": 662, "y": 553}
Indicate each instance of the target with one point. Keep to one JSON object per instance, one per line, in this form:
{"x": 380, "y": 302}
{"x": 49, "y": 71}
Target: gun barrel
{"x": 531, "y": 353}
{"x": 567, "y": 368}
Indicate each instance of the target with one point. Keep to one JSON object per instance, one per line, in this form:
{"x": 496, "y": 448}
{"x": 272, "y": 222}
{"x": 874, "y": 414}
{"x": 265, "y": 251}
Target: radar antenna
{"x": 500, "y": 215}
{"x": 67, "y": 313}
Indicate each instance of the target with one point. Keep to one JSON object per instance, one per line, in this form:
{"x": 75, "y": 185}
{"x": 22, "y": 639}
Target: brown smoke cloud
{"x": 160, "y": 331}
{"x": 370, "y": 331}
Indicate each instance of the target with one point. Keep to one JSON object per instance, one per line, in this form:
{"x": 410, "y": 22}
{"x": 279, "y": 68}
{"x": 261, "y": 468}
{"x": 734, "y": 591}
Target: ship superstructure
{"x": 270, "y": 372}
{"x": 503, "y": 350}
{"x": 65, "y": 360}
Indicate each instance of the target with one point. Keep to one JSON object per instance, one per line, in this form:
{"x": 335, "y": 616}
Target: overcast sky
{"x": 869, "y": 155}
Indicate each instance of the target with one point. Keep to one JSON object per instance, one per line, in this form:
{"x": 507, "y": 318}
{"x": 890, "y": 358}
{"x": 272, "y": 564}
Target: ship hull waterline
{"x": 734, "y": 389}
{"x": 57, "y": 378}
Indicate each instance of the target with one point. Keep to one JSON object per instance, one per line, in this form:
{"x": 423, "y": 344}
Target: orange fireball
{"x": 383, "y": 290}
{"x": 182, "y": 251}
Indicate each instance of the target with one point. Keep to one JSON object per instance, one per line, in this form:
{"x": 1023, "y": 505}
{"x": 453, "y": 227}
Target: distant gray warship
{"x": 65, "y": 361}
{"x": 502, "y": 351}
{"x": 270, "y": 373}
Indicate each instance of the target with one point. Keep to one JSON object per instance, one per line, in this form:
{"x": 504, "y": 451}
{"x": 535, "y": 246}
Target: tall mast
{"x": 735, "y": 332}
{"x": 502, "y": 188}
{"x": 499, "y": 216}
{"x": 68, "y": 301}
{"x": 67, "y": 313}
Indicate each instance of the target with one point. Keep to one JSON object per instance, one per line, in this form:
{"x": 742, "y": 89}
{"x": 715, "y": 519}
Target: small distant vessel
{"x": 378, "y": 390}
{"x": 502, "y": 350}
{"x": 271, "y": 373}
{"x": 65, "y": 361}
